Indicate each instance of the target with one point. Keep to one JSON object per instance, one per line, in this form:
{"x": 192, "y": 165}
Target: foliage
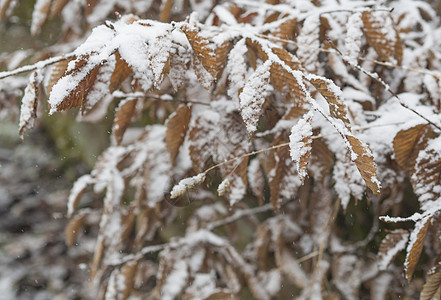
{"x": 278, "y": 114}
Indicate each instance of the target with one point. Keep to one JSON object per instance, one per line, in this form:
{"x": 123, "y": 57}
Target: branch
{"x": 378, "y": 79}
{"x": 238, "y": 215}
{"x": 165, "y": 97}
{"x": 39, "y": 65}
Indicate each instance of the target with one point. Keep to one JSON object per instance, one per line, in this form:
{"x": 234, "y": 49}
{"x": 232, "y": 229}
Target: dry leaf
{"x": 431, "y": 287}
{"x": 408, "y": 143}
{"x": 123, "y": 117}
{"x": 382, "y": 35}
{"x": 365, "y": 163}
{"x": 391, "y": 245}
{"x": 73, "y": 228}
{"x": 28, "y": 109}
{"x": 166, "y": 7}
{"x": 121, "y": 72}
{"x": 416, "y": 243}
{"x": 177, "y": 127}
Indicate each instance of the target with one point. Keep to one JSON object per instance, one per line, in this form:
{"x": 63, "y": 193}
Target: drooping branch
{"x": 39, "y": 65}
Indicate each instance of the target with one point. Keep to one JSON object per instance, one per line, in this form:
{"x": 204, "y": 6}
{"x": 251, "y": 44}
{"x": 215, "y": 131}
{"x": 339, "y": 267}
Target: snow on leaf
{"x": 29, "y": 102}
{"x": 309, "y": 42}
{"x": 253, "y": 96}
{"x": 76, "y": 192}
{"x": 394, "y": 242}
{"x": 353, "y": 36}
{"x": 39, "y": 15}
{"x": 71, "y": 90}
{"x": 186, "y": 184}
{"x": 300, "y": 143}
{"x": 177, "y": 127}
{"x": 415, "y": 246}
{"x": 407, "y": 144}
{"x": 237, "y": 68}
{"x": 159, "y": 56}
{"x": 382, "y": 35}
{"x": 365, "y": 163}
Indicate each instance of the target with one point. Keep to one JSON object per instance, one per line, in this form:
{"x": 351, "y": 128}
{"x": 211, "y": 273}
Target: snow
{"x": 223, "y": 187}
{"x": 78, "y": 188}
{"x": 385, "y": 259}
{"x": 353, "y": 37}
{"x": 298, "y": 149}
{"x": 236, "y": 68}
{"x": 175, "y": 281}
{"x": 185, "y": 184}
{"x": 253, "y": 96}
{"x": 414, "y": 237}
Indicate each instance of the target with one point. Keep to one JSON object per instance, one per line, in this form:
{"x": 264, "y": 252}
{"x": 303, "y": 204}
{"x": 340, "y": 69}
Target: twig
{"x": 387, "y": 64}
{"x": 39, "y": 65}
{"x": 377, "y": 78}
{"x": 239, "y": 214}
{"x": 166, "y": 97}
{"x": 140, "y": 254}
{"x": 287, "y": 144}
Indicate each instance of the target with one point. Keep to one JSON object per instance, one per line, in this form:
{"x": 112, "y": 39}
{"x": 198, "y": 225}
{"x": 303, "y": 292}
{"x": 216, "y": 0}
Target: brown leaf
{"x": 128, "y": 272}
{"x": 408, "y": 143}
{"x": 337, "y": 107}
{"x": 365, "y": 163}
{"x": 58, "y": 70}
{"x": 389, "y": 243}
{"x": 123, "y": 116}
{"x": 121, "y": 72}
{"x": 166, "y": 7}
{"x": 177, "y": 127}
{"x": 431, "y": 287}
{"x": 4, "y": 8}
{"x": 286, "y": 29}
{"x": 213, "y": 60}
{"x": 415, "y": 246}
{"x": 73, "y": 228}
{"x": 28, "y": 109}
{"x": 57, "y": 7}
{"x": 40, "y": 15}
{"x": 385, "y": 41}
{"x": 236, "y": 174}
{"x": 77, "y": 96}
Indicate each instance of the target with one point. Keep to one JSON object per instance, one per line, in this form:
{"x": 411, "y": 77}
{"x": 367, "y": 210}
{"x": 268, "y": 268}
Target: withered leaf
{"x": 408, "y": 143}
{"x": 73, "y": 228}
{"x": 431, "y": 287}
{"x": 123, "y": 116}
{"x": 391, "y": 245}
{"x": 29, "y": 103}
{"x": 385, "y": 41}
{"x": 121, "y": 72}
{"x": 166, "y": 7}
{"x": 177, "y": 127}
{"x": 416, "y": 243}
{"x": 365, "y": 163}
